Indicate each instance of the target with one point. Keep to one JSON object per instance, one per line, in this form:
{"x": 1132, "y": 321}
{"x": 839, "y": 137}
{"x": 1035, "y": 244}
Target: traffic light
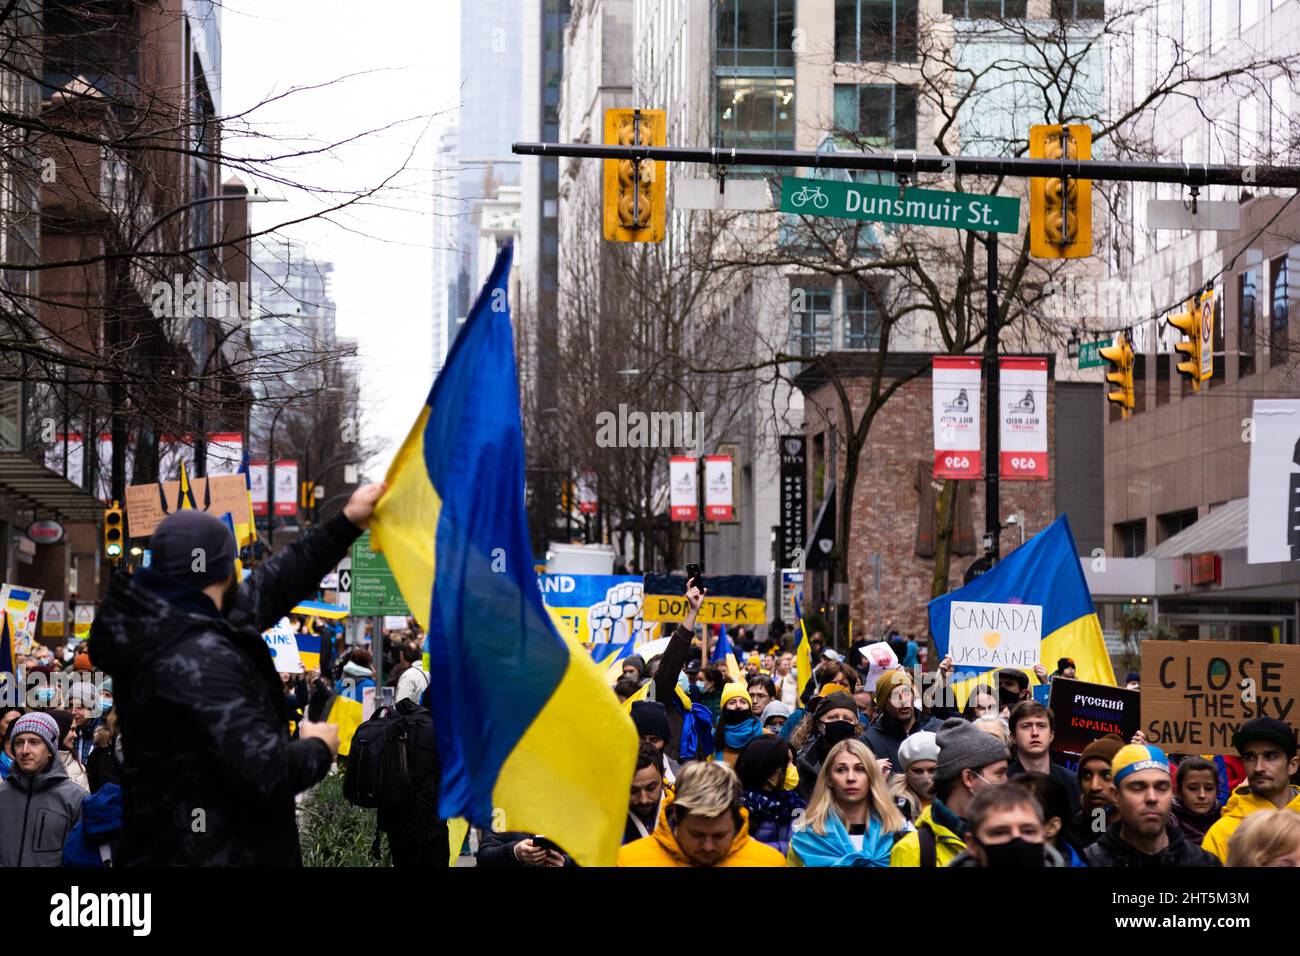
{"x": 635, "y": 193}
{"x": 114, "y": 532}
{"x": 1189, "y": 323}
{"x": 1205, "y": 302}
{"x": 1060, "y": 210}
{"x": 1120, "y": 355}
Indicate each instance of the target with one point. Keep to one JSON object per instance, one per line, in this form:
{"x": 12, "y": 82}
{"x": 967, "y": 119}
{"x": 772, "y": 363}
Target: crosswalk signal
{"x": 635, "y": 192}
{"x": 1205, "y": 302}
{"x": 1060, "y": 209}
{"x": 1189, "y": 323}
{"x": 113, "y": 531}
{"x": 1120, "y": 355}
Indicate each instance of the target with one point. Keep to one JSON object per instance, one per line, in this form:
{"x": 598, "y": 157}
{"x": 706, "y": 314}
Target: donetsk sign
{"x": 732, "y": 599}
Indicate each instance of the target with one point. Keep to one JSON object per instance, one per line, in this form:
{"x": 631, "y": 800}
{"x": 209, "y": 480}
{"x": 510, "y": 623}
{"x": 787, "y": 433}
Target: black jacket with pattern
{"x": 209, "y": 773}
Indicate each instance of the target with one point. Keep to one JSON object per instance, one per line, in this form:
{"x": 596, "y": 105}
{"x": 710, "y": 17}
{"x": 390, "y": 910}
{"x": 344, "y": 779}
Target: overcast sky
{"x": 381, "y": 252}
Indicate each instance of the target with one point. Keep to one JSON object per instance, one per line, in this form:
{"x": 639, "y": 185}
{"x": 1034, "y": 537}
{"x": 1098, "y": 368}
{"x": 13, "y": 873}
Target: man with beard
{"x": 1268, "y": 752}
{"x": 1096, "y": 791}
{"x": 209, "y": 772}
{"x": 647, "y": 794}
{"x": 897, "y": 717}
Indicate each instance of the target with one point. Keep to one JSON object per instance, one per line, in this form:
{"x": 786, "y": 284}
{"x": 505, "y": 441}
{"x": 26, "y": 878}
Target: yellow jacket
{"x": 1241, "y": 804}
{"x": 947, "y": 845}
{"x": 660, "y": 847}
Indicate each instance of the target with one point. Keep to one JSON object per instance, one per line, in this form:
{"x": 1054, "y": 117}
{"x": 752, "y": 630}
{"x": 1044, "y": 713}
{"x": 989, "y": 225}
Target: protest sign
{"x": 594, "y": 608}
{"x": 1083, "y": 712}
{"x": 982, "y": 634}
{"x": 145, "y": 508}
{"x": 1195, "y": 694}
{"x": 282, "y": 644}
{"x": 732, "y": 599}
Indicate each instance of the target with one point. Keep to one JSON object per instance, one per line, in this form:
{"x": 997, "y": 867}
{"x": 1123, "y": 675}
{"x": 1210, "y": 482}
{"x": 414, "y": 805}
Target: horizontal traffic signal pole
{"x": 906, "y": 162}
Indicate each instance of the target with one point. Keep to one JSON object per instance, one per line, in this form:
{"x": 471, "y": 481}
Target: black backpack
{"x": 391, "y": 757}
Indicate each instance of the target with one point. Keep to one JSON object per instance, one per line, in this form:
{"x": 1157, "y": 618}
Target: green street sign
{"x": 918, "y": 207}
{"x": 1090, "y": 353}
{"x": 374, "y": 589}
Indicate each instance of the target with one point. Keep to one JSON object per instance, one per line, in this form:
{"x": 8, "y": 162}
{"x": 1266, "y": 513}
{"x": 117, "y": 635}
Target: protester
{"x": 7, "y": 717}
{"x": 1064, "y": 668}
{"x": 200, "y": 705}
{"x": 703, "y": 823}
{"x": 1033, "y": 728}
{"x": 1013, "y": 687}
{"x": 897, "y": 716}
{"x": 1143, "y": 834}
{"x": 1133, "y": 681}
{"x": 66, "y": 750}
{"x": 969, "y": 760}
{"x": 917, "y": 757}
{"x": 851, "y": 819}
{"x": 834, "y": 719}
{"x": 92, "y": 842}
{"x": 982, "y": 702}
{"x": 39, "y": 805}
{"x": 761, "y": 693}
{"x": 1196, "y": 797}
{"x": 104, "y": 765}
{"x": 774, "y": 717}
{"x": 770, "y": 782}
{"x": 514, "y": 848}
{"x": 358, "y": 676}
{"x": 1054, "y": 800}
{"x": 786, "y": 680}
{"x": 84, "y": 704}
{"x": 1096, "y": 791}
{"x": 625, "y": 688}
{"x": 647, "y": 793}
{"x": 417, "y": 836}
{"x": 1006, "y": 830}
{"x": 653, "y": 727}
{"x": 412, "y": 682}
{"x": 995, "y": 725}
{"x": 1266, "y": 838}
{"x": 1268, "y": 751}
{"x": 737, "y": 724}
{"x": 753, "y": 667}
{"x": 634, "y": 667}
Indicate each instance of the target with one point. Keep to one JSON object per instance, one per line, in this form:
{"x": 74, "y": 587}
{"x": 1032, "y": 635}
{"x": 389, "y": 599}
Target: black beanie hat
{"x": 651, "y": 719}
{"x": 762, "y": 757}
{"x": 1267, "y": 729}
{"x": 193, "y": 547}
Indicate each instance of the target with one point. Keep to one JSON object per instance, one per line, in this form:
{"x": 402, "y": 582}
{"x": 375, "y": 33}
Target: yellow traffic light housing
{"x": 1189, "y": 323}
{"x": 1120, "y": 355}
{"x": 1060, "y": 210}
{"x": 114, "y": 532}
{"x": 635, "y": 192}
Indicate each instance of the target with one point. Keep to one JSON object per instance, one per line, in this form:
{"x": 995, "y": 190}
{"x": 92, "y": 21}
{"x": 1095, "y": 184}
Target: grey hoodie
{"x": 36, "y": 814}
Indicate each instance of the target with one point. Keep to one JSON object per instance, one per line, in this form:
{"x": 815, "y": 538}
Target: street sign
{"x": 707, "y": 194}
{"x": 1220, "y": 215}
{"x": 372, "y": 585}
{"x": 1089, "y": 353}
{"x": 919, "y": 207}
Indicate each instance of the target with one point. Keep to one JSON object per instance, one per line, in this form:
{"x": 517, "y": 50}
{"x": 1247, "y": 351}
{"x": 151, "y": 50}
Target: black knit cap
{"x": 762, "y": 757}
{"x": 193, "y": 547}
{"x": 651, "y": 719}
{"x": 1266, "y": 729}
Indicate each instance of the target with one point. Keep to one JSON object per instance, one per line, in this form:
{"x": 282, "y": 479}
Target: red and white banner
{"x": 104, "y": 481}
{"x": 257, "y": 478}
{"x": 172, "y": 451}
{"x": 719, "y": 504}
{"x": 588, "y": 501}
{"x": 683, "y": 499}
{"x": 75, "y": 449}
{"x": 225, "y": 453}
{"x": 286, "y": 487}
{"x": 957, "y": 417}
{"x": 1022, "y": 388}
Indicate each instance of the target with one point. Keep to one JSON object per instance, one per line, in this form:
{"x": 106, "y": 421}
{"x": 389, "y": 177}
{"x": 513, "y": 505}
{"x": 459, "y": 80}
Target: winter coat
{"x": 772, "y": 815}
{"x": 1051, "y": 858}
{"x": 665, "y": 689}
{"x": 103, "y": 766}
{"x": 37, "y": 812}
{"x": 1110, "y": 850}
{"x": 886, "y": 735}
{"x": 498, "y": 849}
{"x": 1058, "y": 773}
{"x": 1240, "y": 805}
{"x": 99, "y": 826}
{"x": 1195, "y": 825}
{"x": 949, "y": 843}
{"x": 209, "y": 773}
{"x": 660, "y": 848}
{"x": 418, "y": 821}
{"x": 76, "y": 772}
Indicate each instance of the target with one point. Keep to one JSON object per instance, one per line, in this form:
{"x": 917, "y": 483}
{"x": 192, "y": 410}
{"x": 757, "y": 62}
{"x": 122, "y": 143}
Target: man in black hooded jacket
{"x": 209, "y": 773}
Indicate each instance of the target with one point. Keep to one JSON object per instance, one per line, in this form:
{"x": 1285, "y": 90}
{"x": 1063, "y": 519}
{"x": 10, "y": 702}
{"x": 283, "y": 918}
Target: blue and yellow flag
{"x": 1043, "y": 572}
{"x": 525, "y": 724}
{"x": 802, "y": 650}
{"x": 724, "y": 653}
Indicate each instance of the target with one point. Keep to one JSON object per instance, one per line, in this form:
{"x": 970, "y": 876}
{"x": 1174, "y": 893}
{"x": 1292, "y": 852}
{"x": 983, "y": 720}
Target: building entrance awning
{"x": 29, "y": 484}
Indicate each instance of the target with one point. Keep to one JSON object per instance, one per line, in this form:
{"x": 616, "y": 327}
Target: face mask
{"x": 735, "y": 716}
{"x": 1017, "y": 852}
{"x": 791, "y": 777}
{"x": 839, "y": 730}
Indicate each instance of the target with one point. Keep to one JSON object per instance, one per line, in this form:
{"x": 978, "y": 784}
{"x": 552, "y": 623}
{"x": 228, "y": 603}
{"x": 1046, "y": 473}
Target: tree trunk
{"x": 943, "y": 539}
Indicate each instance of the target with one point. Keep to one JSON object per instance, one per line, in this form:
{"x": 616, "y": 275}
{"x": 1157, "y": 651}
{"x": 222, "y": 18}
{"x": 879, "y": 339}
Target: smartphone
{"x": 544, "y": 844}
{"x": 693, "y": 574}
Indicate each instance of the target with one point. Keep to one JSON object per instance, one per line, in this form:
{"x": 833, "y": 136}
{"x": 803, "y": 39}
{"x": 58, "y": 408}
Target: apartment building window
{"x": 755, "y": 74}
{"x": 1247, "y": 284}
{"x": 1279, "y": 319}
{"x": 875, "y": 30}
{"x": 755, "y": 33}
{"x": 1131, "y": 538}
{"x": 1079, "y": 9}
{"x": 810, "y": 320}
{"x": 976, "y": 9}
{"x": 861, "y": 319}
{"x": 756, "y": 112}
{"x": 1168, "y": 525}
{"x": 877, "y": 115}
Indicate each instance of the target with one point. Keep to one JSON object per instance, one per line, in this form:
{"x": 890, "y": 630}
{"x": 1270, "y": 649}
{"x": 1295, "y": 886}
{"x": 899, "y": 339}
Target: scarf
{"x": 736, "y": 736}
{"x": 836, "y": 847}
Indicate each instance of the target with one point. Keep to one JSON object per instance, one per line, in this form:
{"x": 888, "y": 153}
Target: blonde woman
{"x": 1266, "y": 838}
{"x": 851, "y": 819}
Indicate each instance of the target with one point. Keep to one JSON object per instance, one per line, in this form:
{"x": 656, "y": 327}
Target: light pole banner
{"x": 588, "y": 500}
{"x": 286, "y": 487}
{"x": 1273, "y": 517}
{"x": 957, "y": 417}
{"x": 74, "y": 448}
{"x": 257, "y": 478}
{"x": 1023, "y": 390}
{"x": 225, "y": 453}
{"x": 173, "y": 450}
{"x": 719, "y": 504}
{"x": 683, "y": 498}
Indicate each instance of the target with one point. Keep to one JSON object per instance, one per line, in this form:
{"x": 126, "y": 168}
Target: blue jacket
{"x": 355, "y": 688}
{"x": 808, "y": 848}
{"x": 101, "y": 822}
{"x": 772, "y": 815}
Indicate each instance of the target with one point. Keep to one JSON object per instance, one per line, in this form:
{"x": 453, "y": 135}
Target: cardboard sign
{"x": 732, "y": 599}
{"x": 1083, "y": 712}
{"x": 283, "y": 645}
{"x": 1196, "y": 694}
{"x": 995, "y": 635}
{"x": 225, "y": 493}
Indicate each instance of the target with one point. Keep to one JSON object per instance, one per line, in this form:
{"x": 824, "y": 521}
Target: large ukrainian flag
{"x": 525, "y": 724}
{"x": 1045, "y": 570}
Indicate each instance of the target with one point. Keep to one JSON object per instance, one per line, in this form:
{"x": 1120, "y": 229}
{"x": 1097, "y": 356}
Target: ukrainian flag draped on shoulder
{"x": 1044, "y": 571}
{"x": 525, "y": 724}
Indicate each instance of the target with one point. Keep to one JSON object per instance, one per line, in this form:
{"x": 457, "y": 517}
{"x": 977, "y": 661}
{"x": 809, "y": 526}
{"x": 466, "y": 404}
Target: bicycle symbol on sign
{"x": 811, "y": 194}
